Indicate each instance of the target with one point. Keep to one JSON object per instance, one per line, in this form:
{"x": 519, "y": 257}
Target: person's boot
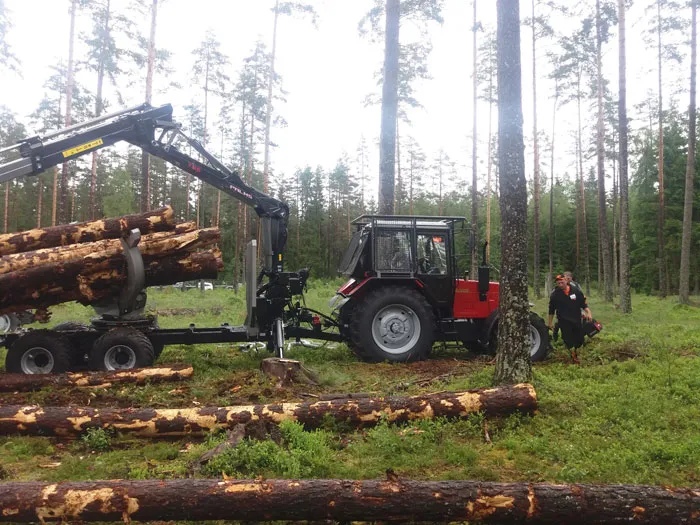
{"x": 574, "y": 357}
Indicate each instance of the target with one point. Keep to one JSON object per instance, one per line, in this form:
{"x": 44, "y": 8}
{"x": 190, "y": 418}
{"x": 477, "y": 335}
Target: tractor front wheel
{"x": 393, "y": 324}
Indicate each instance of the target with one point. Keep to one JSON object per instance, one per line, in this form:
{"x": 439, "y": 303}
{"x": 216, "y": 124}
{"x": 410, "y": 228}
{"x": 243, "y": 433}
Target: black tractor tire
{"x": 122, "y": 349}
{"x": 39, "y": 352}
{"x": 392, "y": 323}
{"x": 538, "y": 330}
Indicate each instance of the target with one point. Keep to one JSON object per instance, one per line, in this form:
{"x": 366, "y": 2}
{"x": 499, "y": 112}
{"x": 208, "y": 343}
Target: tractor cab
{"x": 404, "y": 292}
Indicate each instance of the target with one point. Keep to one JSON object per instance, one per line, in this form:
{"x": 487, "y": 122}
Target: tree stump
{"x": 288, "y": 372}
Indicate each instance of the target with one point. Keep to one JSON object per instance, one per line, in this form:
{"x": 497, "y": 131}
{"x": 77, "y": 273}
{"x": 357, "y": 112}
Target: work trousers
{"x": 571, "y": 333}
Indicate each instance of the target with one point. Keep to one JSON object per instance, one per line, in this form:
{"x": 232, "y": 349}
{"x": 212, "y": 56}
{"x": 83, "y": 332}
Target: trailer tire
{"x": 121, "y": 349}
{"x": 39, "y": 352}
{"x": 394, "y": 324}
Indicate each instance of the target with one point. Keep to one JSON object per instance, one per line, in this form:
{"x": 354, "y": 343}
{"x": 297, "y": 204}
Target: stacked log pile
{"x": 85, "y": 262}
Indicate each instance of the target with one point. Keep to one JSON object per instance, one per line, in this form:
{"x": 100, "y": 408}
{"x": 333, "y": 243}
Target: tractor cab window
{"x": 393, "y": 251}
{"x": 432, "y": 254}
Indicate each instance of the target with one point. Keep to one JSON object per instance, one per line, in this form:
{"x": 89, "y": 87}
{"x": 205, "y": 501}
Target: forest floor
{"x": 627, "y": 414}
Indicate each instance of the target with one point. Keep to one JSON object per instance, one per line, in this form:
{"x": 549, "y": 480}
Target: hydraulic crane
{"x": 269, "y": 293}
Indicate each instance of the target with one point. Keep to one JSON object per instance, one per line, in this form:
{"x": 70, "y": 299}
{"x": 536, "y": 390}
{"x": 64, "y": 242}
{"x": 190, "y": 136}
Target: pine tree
{"x": 625, "y": 293}
{"x": 512, "y": 359}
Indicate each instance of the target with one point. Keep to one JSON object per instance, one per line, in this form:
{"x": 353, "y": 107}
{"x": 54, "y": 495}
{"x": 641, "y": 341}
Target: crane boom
{"x": 153, "y": 130}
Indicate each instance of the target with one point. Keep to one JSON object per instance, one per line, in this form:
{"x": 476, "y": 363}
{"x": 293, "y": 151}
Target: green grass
{"x": 628, "y": 414}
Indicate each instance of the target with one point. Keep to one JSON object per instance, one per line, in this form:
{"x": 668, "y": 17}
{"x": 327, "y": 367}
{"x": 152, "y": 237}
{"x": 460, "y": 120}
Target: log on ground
{"x": 161, "y": 219}
{"x": 67, "y": 421}
{"x": 346, "y": 500}
{"x": 137, "y": 376}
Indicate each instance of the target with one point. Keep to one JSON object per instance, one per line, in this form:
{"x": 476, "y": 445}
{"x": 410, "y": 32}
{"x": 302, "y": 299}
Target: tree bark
{"x": 663, "y": 282}
{"x": 625, "y": 293}
{"x": 550, "y": 274}
{"x": 684, "y": 286}
{"x": 390, "y": 102}
{"x": 62, "y": 235}
{"x": 268, "y": 115}
{"x": 393, "y": 499}
{"x": 65, "y": 421}
{"x": 513, "y": 356}
{"x": 137, "y": 376}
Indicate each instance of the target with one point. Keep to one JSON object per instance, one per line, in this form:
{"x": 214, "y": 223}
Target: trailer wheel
{"x": 8, "y": 323}
{"x": 39, "y": 352}
{"x": 393, "y": 324}
{"x": 121, "y": 349}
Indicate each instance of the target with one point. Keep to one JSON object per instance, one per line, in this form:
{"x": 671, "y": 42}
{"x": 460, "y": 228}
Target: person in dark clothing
{"x": 568, "y": 302}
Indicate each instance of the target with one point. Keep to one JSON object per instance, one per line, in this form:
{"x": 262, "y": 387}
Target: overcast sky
{"x": 328, "y": 71}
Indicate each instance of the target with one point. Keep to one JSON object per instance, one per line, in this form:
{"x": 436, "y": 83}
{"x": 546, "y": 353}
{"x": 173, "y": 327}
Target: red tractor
{"x": 404, "y": 293}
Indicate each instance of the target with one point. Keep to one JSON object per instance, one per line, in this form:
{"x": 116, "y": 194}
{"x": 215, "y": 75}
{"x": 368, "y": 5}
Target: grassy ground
{"x": 628, "y": 414}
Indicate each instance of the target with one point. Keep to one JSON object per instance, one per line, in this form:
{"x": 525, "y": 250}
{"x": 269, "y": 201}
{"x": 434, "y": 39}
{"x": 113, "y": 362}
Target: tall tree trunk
{"x": 410, "y": 187}
{"x": 399, "y": 181}
{"x": 63, "y": 204}
{"x": 98, "y": 112}
{"x": 489, "y": 162}
{"x": 582, "y": 204}
{"x": 625, "y": 292}
{"x": 663, "y": 283}
{"x": 550, "y": 275}
{"x": 513, "y": 356}
{"x": 268, "y": 115}
{"x": 40, "y": 191}
{"x": 7, "y": 206}
{"x": 390, "y": 102}
{"x": 600, "y": 147}
{"x": 54, "y": 196}
{"x": 475, "y": 208}
{"x": 616, "y": 283}
{"x": 145, "y": 157}
{"x": 690, "y": 168}
{"x": 536, "y": 168}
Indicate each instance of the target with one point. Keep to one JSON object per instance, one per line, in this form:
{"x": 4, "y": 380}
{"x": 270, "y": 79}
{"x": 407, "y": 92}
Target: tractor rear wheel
{"x": 392, "y": 324}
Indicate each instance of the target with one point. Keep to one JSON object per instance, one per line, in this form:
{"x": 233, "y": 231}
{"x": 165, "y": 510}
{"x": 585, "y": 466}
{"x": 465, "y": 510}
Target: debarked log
{"x": 66, "y": 421}
{"x": 346, "y": 500}
{"x": 40, "y": 288}
{"x": 158, "y": 220}
{"x": 136, "y": 376}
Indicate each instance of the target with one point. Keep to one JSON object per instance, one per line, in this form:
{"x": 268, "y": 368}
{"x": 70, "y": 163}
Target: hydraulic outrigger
{"x": 271, "y": 313}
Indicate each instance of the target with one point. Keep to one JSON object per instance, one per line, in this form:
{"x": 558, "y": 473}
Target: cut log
{"x": 86, "y": 282}
{"x": 137, "y": 376}
{"x": 64, "y": 421}
{"x": 346, "y": 500}
{"x": 150, "y": 222}
{"x": 150, "y": 244}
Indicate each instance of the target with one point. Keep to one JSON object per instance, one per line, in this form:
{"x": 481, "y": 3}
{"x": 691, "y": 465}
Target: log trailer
{"x": 403, "y": 292}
